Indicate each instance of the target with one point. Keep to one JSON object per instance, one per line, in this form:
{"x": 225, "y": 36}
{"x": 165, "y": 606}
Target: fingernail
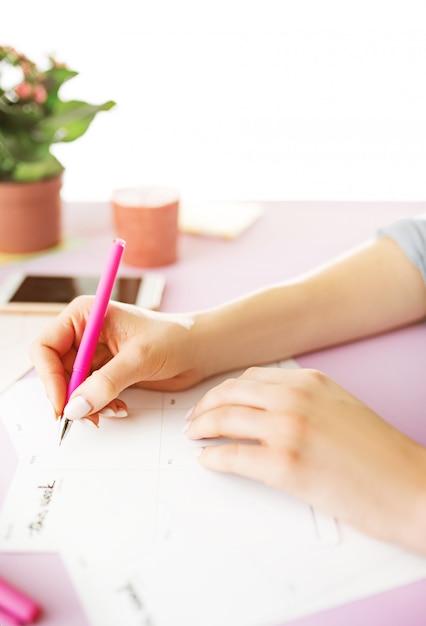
{"x": 77, "y": 408}
{"x": 186, "y": 427}
{"x": 199, "y": 451}
{"x": 107, "y": 412}
{"x": 188, "y": 414}
{"x": 87, "y": 422}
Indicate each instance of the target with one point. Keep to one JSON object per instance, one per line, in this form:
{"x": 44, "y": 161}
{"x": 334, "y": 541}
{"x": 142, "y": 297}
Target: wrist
{"x": 260, "y": 328}
{"x": 209, "y": 340}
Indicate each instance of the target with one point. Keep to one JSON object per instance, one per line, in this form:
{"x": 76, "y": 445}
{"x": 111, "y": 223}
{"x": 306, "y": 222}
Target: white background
{"x": 240, "y": 99}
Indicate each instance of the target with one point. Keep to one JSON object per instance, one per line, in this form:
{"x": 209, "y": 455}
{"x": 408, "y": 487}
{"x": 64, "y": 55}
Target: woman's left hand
{"x": 299, "y": 431}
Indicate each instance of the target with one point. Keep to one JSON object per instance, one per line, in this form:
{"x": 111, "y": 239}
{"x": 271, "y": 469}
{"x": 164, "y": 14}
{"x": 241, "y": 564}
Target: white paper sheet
{"x": 17, "y": 333}
{"x": 150, "y": 538}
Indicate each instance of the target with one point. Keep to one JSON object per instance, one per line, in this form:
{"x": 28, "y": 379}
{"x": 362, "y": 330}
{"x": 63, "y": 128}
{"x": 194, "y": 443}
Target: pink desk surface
{"x": 387, "y": 372}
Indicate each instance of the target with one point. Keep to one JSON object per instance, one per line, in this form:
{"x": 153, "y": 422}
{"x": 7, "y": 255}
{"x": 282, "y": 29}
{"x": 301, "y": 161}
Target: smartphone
{"x": 32, "y": 293}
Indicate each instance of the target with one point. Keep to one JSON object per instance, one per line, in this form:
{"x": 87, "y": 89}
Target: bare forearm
{"x": 372, "y": 289}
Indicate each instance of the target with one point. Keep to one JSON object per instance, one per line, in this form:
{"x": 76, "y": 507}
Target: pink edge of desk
{"x": 292, "y": 237}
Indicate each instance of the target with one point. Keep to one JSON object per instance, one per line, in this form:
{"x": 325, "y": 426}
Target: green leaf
{"x": 54, "y": 78}
{"x": 22, "y": 147}
{"x": 57, "y": 76}
{"x": 7, "y": 162}
{"x": 68, "y": 121}
{"x": 17, "y": 115}
{"x": 45, "y": 168}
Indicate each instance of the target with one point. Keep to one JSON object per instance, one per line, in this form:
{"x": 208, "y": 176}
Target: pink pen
{"x": 6, "y": 619}
{"x": 16, "y": 607}
{"x": 92, "y": 331}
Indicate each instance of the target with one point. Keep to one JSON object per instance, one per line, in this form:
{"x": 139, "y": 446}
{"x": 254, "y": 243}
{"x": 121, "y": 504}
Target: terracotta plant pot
{"x": 147, "y": 219}
{"x": 30, "y": 215}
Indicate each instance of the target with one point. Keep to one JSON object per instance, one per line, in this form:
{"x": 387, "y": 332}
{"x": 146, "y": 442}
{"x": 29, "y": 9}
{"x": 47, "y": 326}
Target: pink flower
{"x": 23, "y": 90}
{"x": 39, "y": 94}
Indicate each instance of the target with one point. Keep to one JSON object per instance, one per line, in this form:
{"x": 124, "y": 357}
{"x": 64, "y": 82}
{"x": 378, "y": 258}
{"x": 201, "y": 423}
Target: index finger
{"x": 258, "y": 387}
{"x": 53, "y": 353}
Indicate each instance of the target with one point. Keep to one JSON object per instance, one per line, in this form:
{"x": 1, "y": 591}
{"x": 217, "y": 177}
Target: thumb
{"x": 101, "y": 388}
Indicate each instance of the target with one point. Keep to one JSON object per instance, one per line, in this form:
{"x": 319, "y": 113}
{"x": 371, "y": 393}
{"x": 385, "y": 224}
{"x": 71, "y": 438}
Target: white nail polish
{"x": 198, "y": 451}
{"x": 87, "y": 423}
{"x": 107, "y": 412}
{"x": 77, "y": 408}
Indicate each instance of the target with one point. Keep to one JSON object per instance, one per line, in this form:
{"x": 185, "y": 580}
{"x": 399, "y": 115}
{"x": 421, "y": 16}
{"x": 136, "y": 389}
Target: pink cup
{"x": 147, "y": 219}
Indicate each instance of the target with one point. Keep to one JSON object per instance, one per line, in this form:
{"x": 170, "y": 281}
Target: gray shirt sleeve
{"x": 410, "y": 235}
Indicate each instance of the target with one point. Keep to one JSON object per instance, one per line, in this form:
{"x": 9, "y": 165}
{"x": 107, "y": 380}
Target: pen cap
{"x": 19, "y": 605}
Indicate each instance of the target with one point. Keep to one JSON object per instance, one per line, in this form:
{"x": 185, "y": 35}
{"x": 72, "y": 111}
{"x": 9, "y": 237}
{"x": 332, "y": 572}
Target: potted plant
{"x": 33, "y": 118}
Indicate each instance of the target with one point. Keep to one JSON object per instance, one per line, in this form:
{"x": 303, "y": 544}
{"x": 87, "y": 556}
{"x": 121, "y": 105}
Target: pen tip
{"x": 64, "y": 429}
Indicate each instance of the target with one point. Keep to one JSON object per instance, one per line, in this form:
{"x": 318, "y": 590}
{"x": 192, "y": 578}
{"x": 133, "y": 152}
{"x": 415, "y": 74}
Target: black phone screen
{"x": 62, "y": 289}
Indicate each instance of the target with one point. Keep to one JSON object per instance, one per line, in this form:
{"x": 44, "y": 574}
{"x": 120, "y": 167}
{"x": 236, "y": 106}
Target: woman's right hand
{"x": 136, "y": 347}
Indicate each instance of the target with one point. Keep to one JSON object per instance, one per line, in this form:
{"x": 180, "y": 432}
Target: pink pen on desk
{"x": 6, "y": 619}
{"x": 92, "y": 331}
{"x": 16, "y": 608}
